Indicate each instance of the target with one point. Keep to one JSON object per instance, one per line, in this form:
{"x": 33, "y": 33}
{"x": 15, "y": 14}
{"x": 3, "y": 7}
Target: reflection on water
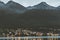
{"x": 32, "y": 38}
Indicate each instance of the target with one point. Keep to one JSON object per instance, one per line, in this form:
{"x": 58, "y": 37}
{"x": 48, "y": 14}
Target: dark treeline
{"x": 34, "y": 19}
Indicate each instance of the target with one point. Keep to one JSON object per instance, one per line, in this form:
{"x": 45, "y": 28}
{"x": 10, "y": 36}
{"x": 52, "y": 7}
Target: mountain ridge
{"x": 18, "y": 8}
{"x": 42, "y": 5}
{"x": 20, "y": 4}
{"x": 12, "y": 7}
{"x": 34, "y": 18}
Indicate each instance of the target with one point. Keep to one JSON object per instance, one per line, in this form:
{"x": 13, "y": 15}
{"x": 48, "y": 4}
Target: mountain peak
{"x": 14, "y": 4}
{"x": 58, "y": 6}
{"x": 43, "y": 3}
{"x": 2, "y": 4}
{"x": 10, "y": 2}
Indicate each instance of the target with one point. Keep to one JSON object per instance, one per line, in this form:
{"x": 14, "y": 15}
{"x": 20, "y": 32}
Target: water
{"x": 32, "y": 38}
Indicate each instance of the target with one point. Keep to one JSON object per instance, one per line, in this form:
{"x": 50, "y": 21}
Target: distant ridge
{"x": 42, "y": 5}
{"x": 12, "y": 7}
{"x": 2, "y": 4}
{"x": 58, "y": 8}
{"x": 15, "y": 6}
{"x": 18, "y": 8}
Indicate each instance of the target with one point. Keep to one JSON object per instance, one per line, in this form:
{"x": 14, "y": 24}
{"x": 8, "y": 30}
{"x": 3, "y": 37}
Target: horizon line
{"x": 28, "y": 6}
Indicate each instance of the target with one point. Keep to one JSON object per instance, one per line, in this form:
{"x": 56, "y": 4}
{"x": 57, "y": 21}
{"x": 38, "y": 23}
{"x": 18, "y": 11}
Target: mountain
{"x": 3, "y": 8}
{"x": 13, "y": 6}
{"x": 34, "y": 18}
{"x": 43, "y": 5}
{"x": 29, "y": 7}
{"x": 58, "y": 8}
{"x": 2, "y": 5}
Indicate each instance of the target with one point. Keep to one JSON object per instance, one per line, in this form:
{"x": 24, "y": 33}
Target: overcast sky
{"x": 34, "y": 2}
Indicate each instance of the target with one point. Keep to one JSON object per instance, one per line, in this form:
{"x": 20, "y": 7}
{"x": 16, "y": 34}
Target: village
{"x": 28, "y": 33}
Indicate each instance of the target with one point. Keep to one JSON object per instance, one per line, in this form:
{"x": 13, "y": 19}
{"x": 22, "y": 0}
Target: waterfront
{"x": 32, "y": 38}
{"x": 25, "y": 34}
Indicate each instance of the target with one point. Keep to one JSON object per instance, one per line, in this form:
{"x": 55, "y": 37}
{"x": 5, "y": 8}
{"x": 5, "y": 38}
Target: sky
{"x": 27, "y": 3}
